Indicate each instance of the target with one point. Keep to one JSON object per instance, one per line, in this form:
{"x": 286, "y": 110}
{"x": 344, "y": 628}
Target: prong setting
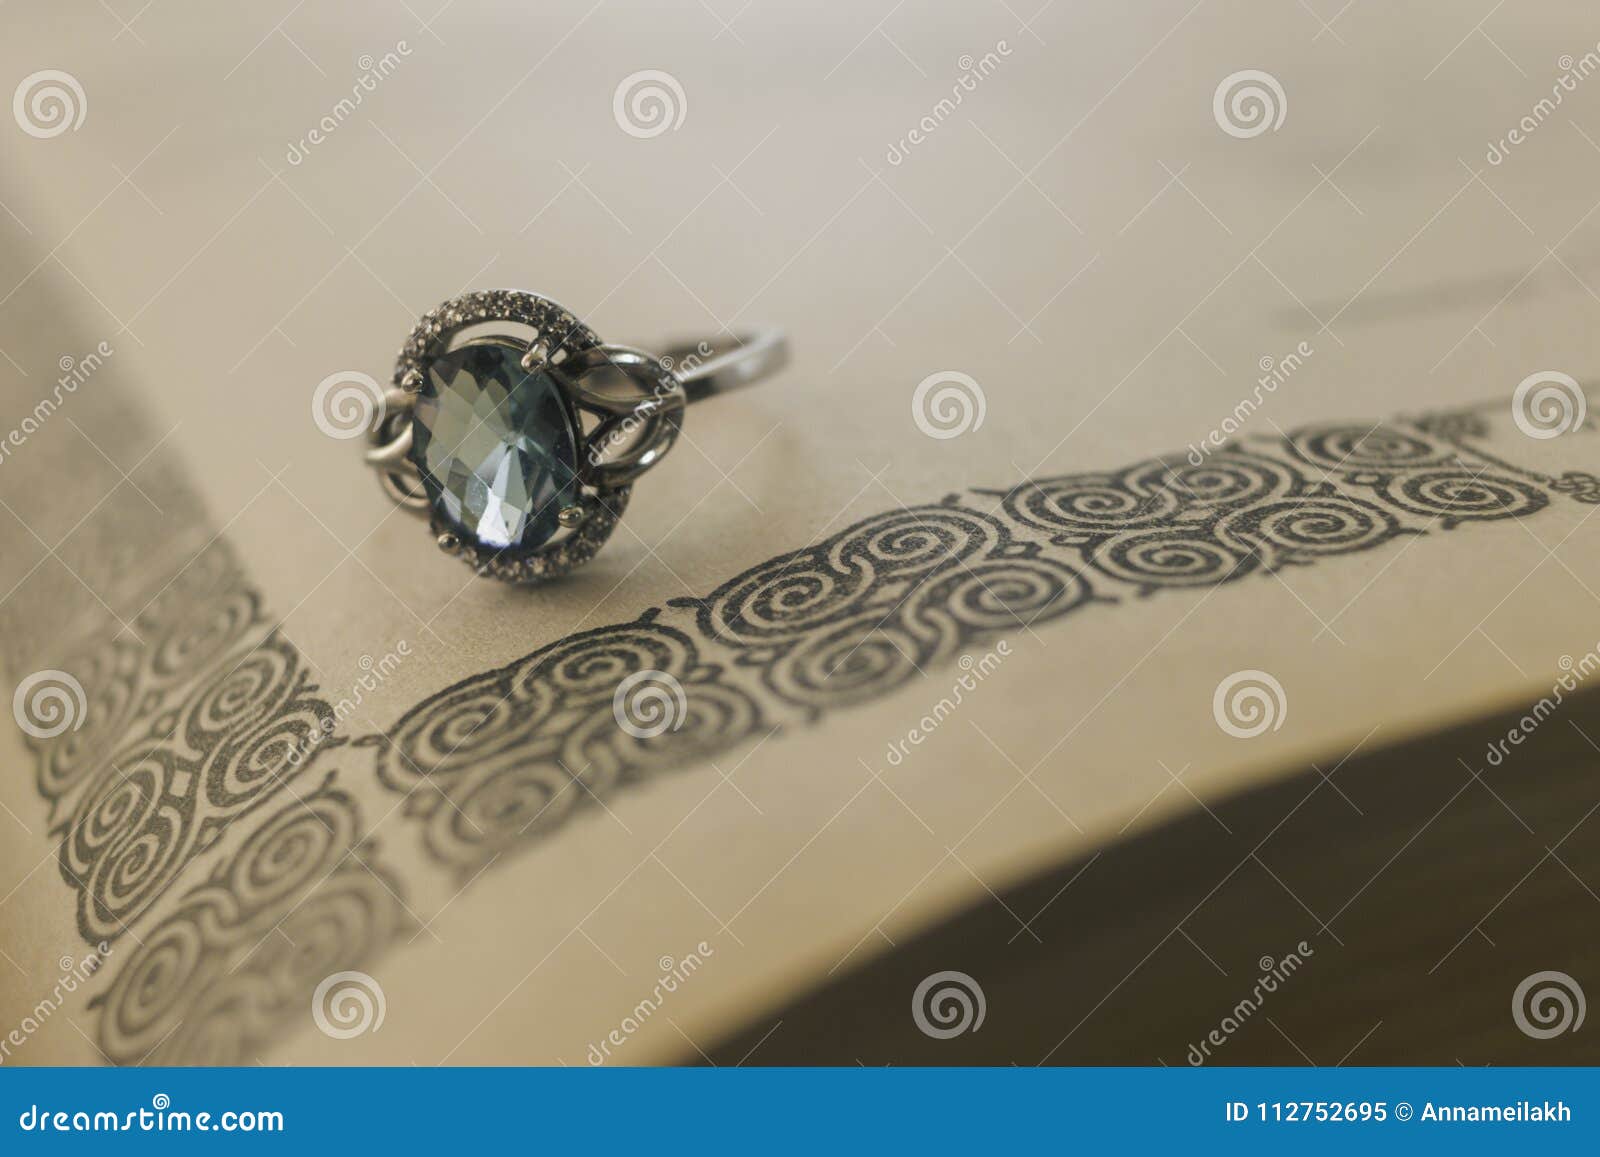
{"x": 537, "y": 356}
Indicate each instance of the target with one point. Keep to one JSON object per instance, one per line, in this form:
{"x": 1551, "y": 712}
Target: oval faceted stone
{"x": 497, "y": 447}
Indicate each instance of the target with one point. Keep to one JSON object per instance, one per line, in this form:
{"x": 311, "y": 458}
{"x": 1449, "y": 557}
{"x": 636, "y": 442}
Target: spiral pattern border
{"x": 174, "y": 779}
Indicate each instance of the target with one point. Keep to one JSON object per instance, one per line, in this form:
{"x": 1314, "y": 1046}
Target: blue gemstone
{"x": 497, "y": 447}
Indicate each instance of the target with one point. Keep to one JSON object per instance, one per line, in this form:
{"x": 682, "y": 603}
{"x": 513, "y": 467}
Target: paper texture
{"x": 1115, "y": 273}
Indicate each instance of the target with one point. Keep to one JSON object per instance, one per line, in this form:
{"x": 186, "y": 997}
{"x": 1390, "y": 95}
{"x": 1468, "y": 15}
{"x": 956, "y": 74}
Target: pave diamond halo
{"x": 519, "y": 433}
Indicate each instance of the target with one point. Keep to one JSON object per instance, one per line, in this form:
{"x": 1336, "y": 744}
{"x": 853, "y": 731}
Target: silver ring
{"x": 520, "y": 434}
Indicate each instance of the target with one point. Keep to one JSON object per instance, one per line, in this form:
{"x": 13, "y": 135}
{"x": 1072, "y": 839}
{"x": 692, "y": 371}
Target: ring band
{"x": 707, "y": 368}
{"x": 520, "y": 433}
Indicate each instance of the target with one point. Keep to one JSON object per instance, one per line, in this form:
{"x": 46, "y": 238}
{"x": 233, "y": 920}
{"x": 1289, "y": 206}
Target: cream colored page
{"x": 1082, "y": 236}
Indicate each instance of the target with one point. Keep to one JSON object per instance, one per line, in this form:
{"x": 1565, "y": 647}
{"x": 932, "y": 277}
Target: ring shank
{"x": 727, "y": 362}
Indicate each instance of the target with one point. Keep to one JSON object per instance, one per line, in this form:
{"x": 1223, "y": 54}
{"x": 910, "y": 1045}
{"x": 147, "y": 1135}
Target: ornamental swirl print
{"x": 181, "y": 782}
